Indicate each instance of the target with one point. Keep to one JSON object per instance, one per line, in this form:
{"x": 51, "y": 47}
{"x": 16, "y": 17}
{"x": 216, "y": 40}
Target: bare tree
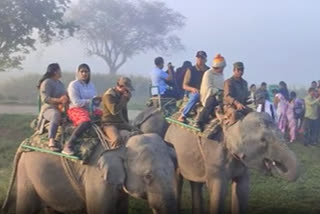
{"x": 118, "y": 30}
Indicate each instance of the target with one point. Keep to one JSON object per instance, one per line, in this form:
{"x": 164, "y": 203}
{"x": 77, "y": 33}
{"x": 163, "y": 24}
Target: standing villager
{"x": 180, "y": 76}
{"x": 266, "y": 106}
{"x": 310, "y": 119}
{"x": 81, "y": 92}
{"x": 299, "y": 111}
{"x": 211, "y": 88}
{"x": 115, "y": 111}
{"x": 281, "y": 104}
{"x": 236, "y": 94}
{"x": 263, "y": 90}
{"x": 283, "y": 89}
{"x": 313, "y": 84}
{"x": 292, "y": 122}
{"x": 160, "y": 78}
{"x": 192, "y": 83}
{"x": 253, "y": 91}
{"x": 53, "y": 100}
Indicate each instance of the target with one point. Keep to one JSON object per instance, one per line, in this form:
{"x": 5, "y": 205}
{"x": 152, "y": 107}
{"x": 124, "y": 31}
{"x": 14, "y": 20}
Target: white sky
{"x": 276, "y": 40}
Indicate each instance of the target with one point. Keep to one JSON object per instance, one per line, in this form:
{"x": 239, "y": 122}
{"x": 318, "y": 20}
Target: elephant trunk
{"x": 284, "y": 161}
{"x": 167, "y": 205}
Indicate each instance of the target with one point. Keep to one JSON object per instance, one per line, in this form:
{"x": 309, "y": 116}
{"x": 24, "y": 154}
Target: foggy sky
{"x": 276, "y": 40}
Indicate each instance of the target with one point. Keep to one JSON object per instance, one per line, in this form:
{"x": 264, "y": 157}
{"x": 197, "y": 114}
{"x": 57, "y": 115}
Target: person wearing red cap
{"x": 211, "y": 89}
{"x": 192, "y": 83}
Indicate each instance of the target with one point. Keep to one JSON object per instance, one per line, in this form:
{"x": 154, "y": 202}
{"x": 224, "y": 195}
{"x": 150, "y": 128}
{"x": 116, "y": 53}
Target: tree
{"x": 118, "y": 30}
{"x": 21, "y": 19}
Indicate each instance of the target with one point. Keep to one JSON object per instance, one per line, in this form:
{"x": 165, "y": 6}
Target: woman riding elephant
{"x": 81, "y": 92}
{"x": 144, "y": 168}
{"x": 53, "y": 99}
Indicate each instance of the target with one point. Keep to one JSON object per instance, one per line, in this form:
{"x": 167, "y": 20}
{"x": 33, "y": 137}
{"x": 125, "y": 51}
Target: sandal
{"x": 54, "y": 147}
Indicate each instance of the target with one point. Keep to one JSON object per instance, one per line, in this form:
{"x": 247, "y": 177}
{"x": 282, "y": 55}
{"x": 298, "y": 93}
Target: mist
{"x": 276, "y": 40}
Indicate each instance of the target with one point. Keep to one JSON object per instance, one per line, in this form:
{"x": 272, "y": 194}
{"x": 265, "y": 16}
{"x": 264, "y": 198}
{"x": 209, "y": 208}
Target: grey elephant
{"x": 253, "y": 142}
{"x": 144, "y": 168}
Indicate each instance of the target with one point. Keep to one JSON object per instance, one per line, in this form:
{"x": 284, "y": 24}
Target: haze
{"x": 276, "y": 40}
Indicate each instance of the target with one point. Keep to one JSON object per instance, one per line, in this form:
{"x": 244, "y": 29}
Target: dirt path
{"x": 33, "y": 110}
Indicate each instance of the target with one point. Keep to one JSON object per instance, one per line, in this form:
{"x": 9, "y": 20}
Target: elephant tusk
{"x": 125, "y": 189}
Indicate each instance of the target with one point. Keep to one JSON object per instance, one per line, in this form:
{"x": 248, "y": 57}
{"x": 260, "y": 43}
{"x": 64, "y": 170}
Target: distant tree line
{"x": 113, "y": 30}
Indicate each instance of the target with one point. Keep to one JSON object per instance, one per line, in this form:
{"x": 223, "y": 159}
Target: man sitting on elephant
{"x": 211, "y": 86}
{"x": 192, "y": 83}
{"x": 236, "y": 94}
{"x": 115, "y": 112}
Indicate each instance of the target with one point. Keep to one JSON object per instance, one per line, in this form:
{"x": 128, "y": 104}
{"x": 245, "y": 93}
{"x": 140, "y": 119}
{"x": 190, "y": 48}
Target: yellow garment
{"x": 312, "y": 105}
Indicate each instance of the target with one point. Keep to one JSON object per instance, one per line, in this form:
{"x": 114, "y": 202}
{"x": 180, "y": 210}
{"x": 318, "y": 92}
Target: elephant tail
{"x": 17, "y": 157}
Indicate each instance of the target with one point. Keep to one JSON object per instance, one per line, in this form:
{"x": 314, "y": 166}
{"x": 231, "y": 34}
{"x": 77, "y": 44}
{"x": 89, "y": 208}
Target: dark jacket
{"x": 235, "y": 90}
{"x": 114, "y": 108}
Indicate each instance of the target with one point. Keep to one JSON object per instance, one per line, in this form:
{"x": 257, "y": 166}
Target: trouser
{"x": 233, "y": 115}
{"x": 310, "y": 131}
{"x": 170, "y": 93}
{"x": 210, "y": 105}
{"x": 193, "y": 99}
{"x": 82, "y": 127}
{"x": 113, "y": 133}
{"x": 54, "y": 118}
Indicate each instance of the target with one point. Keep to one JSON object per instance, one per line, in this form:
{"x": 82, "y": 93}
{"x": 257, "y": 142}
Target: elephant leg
{"x": 28, "y": 201}
{"x": 179, "y": 190}
{"x": 240, "y": 194}
{"x": 123, "y": 203}
{"x": 217, "y": 190}
{"x": 197, "y": 197}
{"x": 102, "y": 199}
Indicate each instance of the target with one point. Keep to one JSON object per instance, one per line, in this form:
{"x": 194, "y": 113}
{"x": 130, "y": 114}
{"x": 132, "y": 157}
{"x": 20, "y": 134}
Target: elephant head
{"x": 259, "y": 144}
{"x": 145, "y": 168}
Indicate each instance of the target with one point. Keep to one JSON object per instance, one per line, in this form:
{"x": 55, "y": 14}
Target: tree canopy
{"x": 118, "y": 30}
{"x": 21, "y": 20}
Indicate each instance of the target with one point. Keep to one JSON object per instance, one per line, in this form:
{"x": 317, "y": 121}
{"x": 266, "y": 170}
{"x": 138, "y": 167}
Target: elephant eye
{"x": 148, "y": 178}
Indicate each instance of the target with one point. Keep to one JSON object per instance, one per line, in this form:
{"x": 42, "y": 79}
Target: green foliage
{"x": 23, "y": 89}
{"x": 20, "y": 19}
{"x": 119, "y": 30}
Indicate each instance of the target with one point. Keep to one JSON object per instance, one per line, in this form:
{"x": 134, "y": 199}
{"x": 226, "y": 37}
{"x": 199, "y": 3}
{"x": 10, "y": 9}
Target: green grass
{"x": 267, "y": 194}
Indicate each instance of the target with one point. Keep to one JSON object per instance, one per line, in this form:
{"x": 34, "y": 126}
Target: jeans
{"x": 169, "y": 94}
{"x": 193, "y": 99}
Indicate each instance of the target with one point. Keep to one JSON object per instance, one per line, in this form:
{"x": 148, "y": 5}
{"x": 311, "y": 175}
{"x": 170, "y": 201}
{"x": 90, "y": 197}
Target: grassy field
{"x": 268, "y": 194}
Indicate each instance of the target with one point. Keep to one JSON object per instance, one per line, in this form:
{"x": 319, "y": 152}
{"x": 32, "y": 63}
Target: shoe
{"x": 55, "y": 147}
{"x": 198, "y": 125}
{"x": 68, "y": 149}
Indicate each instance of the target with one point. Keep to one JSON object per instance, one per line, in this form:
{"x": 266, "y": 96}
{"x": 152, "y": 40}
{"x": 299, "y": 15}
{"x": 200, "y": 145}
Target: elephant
{"x": 254, "y": 142}
{"x": 143, "y": 168}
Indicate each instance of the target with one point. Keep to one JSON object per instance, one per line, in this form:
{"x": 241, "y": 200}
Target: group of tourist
{"x": 77, "y": 100}
{"x": 206, "y": 85}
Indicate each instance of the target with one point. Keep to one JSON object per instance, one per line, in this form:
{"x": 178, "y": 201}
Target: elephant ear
{"x": 111, "y": 165}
